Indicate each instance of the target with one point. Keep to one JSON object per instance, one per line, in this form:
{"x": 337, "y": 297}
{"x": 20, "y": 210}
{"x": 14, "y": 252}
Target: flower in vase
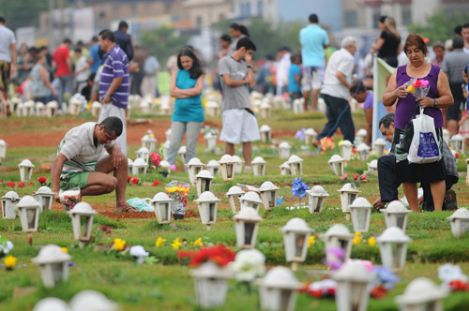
{"x": 10, "y": 262}
{"x": 160, "y": 242}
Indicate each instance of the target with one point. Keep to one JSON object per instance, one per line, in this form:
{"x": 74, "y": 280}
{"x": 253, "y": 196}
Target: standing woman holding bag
{"x": 407, "y": 106}
{"x": 188, "y": 117}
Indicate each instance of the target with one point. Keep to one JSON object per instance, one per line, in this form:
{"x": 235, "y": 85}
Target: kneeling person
{"x": 78, "y": 163}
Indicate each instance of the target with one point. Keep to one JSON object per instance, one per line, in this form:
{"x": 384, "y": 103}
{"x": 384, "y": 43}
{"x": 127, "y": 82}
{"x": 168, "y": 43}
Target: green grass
{"x": 166, "y": 284}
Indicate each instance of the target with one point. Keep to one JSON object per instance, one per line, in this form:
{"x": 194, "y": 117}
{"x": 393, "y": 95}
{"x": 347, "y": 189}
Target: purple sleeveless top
{"x": 407, "y": 107}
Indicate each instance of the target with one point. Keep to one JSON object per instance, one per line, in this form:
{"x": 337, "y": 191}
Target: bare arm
{"x": 196, "y": 90}
{"x": 14, "y": 57}
{"x": 45, "y": 78}
{"x": 116, "y": 82}
{"x": 233, "y": 83}
{"x": 342, "y": 79}
{"x": 392, "y": 92}
{"x": 378, "y": 45}
{"x": 57, "y": 167}
{"x": 446, "y": 98}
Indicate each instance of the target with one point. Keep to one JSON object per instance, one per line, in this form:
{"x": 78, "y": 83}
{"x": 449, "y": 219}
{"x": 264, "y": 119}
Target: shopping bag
{"x": 425, "y": 146}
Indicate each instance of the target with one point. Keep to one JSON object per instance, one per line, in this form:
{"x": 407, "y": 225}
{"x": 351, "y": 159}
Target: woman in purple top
{"x": 439, "y": 96}
{"x": 359, "y": 92}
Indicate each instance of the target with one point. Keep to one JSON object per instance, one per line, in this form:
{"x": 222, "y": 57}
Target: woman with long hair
{"x": 186, "y": 86}
{"x": 388, "y": 44}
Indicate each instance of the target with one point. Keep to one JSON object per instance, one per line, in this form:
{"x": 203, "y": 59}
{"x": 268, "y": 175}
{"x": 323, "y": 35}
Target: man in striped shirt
{"x": 114, "y": 83}
{"x": 78, "y": 163}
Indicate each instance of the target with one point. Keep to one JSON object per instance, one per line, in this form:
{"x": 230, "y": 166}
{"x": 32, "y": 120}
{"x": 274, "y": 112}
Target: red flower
{"x": 21, "y": 184}
{"x": 155, "y": 159}
{"x": 156, "y": 182}
{"x": 355, "y": 176}
{"x": 129, "y": 178}
{"x": 456, "y": 155}
{"x": 42, "y": 179}
{"x": 459, "y": 286}
{"x": 106, "y": 229}
{"x": 11, "y": 184}
{"x": 135, "y": 180}
{"x": 364, "y": 178}
{"x": 378, "y": 291}
{"x": 219, "y": 254}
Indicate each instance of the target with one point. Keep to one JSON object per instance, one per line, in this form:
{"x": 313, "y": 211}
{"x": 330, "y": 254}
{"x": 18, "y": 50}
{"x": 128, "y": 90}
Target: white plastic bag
{"x": 425, "y": 146}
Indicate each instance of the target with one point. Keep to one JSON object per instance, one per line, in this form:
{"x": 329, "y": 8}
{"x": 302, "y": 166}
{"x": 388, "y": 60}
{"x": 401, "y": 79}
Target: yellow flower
{"x": 119, "y": 244}
{"x": 372, "y": 241}
{"x": 311, "y": 241}
{"x": 357, "y": 239}
{"x": 176, "y": 244}
{"x": 160, "y": 242}
{"x": 10, "y": 262}
{"x": 198, "y": 242}
{"x": 64, "y": 250}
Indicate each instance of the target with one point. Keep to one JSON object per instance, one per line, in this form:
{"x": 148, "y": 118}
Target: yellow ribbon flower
{"x": 10, "y": 262}
{"x": 160, "y": 242}
{"x": 119, "y": 244}
{"x": 357, "y": 238}
{"x": 176, "y": 244}
{"x": 64, "y": 250}
{"x": 372, "y": 241}
{"x": 311, "y": 241}
{"x": 198, "y": 242}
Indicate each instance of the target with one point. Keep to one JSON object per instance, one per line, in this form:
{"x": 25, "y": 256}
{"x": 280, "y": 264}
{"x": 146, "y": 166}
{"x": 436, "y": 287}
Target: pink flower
{"x": 155, "y": 159}
{"x": 172, "y": 167}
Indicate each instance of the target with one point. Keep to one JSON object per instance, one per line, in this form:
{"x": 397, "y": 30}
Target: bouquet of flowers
{"x": 248, "y": 265}
{"x": 70, "y": 198}
{"x": 178, "y": 191}
{"x": 219, "y": 254}
{"x": 418, "y": 87}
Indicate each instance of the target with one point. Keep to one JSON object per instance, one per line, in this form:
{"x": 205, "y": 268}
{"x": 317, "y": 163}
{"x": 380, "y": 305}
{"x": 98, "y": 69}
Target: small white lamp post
{"x": 266, "y": 133}
{"x": 296, "y": 165}
{"x": 360, "y": 136}
{"x": 258, "y": 166}
{"x": 45, "y": 197}
{"x": 212, "y": 108}
{"x": 207, "y": 204}
{"x": 459, "y": 221}
{"x": 295, "y": 235}
{"x": 316, "y": 197}
{"x": 53, "y": 263}
{"x": 40, "y": 109}
{"x": 227, "y": 167}
{"x": 91, "y": 300}
{"x": 373, "y": 167}
{"x": 182, "y": 153}
{"x": 203, "y": 181}
{"x": 284, "y": 150}
{"x": 51, "y": 108}
{"x": 3, "y": 150}
{"x": 298, "y": 106}
{"x": 28, "y": 211}
{"x": 139, "y": 253}
{"x": 265, "y": 109}
{"x": 352, "y": 286}
{"x": 363, "y": 151}
{"x": 165, "y": 105}
{"x": 9, "y": 201}
{"x": 361, "y": 214}
{"x": 395, "y": 215}
{"x": 422, "y": 294}
{"x": 346, "y": 150}
{"x": 338, "y": 236}
{"x": 238, "y": 164}
{"x": 165, "y": 167}
{"x": 51, "y": 304}
{"x": 75, "y": 106}
{"x": 348, "y": 193}
{"x": 210, "y": 285}
{"x": 82, "y": 216}
{"x": 393, "y": 248}
{"x": 379, "y": 145}
{"x": 457, "y": 143}
{"x": 149, "y": 141}
{"x": 28, "y": 108}
{"x": 161, "y": 203}
{"x": 26, "y": 170}
{"x": 234, "y": 193}
{"x": 250, "y": 199}
{"x": 143, "y": 153}
{"x": 139, "y": 167}
{"x": 246, "y": 226}
{"x": 268, "y": 193}
{"x": 194, "y": 166}
{"x": 310, "y": 136}
{"x": 336, "y": 163}
{"x": 211, "y": 140}
{"x": 213, "y": 167}
{"x": 285, "y": 169}
{"x": 130, "y": 164}
{"x": 96, "y": 108}
{"x": 278, "y": 289}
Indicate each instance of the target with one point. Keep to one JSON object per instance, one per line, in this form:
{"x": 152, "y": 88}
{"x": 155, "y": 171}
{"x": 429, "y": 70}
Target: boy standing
{"x": 237, "y": 75}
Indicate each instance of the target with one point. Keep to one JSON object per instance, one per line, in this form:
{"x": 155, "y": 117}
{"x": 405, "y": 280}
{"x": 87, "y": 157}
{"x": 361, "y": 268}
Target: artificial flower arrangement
{"x": 6, "y": 246}
{"x": 218, "y": 254}
{"x": 155, "y": 159}
{"x": 453, "y": 278}
{"x": 179, "y": 243}
{"x": 133, "y": 180}
{"x": 298, "y": 190}
{"x": 418, "y": 87}
{"x": 19, "y": 184}
{"x": 178, "y": 191}
{"x": 249, "y": 265}
{"x": 42, "y": 180}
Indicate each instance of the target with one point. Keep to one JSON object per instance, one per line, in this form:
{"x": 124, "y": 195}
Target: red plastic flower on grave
{"x": 42, "y": 180}
{"x": 355, "y": 176}
{"x": 155, "y": 159}
{"x": 21, "y": 184}
{"x": 364, "y": 178}
{"x": 219, "y": 254}
{"x": 11, "y": 184}
{"x": 135, "y": 180}
{"x": 456, "y": 155}
{"x": 459, "y": 286}
{"x": 378, "y": 292}
{"x": 156, "y": 182}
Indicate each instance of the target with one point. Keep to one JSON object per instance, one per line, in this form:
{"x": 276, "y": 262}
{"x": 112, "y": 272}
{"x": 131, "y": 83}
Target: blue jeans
{"x": 65, "y": 87}
{"x": 338, "y": 116}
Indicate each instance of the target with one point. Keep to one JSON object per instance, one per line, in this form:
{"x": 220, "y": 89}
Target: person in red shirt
{"x": 63, "y": 69}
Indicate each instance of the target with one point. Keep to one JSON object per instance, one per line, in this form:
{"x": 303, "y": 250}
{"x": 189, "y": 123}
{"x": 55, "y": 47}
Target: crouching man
{"x": 79, "y": 162}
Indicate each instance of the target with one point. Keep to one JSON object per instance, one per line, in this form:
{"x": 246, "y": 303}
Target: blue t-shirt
{"x": 293, "y": 85}
{"x": 187, "y": 109}
{"x": 97, "y": 60}
{"x": 313, "y": 39}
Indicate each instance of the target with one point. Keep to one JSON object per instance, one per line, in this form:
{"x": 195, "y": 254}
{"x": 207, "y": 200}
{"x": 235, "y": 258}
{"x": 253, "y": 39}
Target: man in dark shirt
{"x": 123, "y": 39}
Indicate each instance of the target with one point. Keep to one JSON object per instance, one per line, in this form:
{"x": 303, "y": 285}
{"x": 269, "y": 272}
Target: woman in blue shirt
{"x": 188, "y": 117}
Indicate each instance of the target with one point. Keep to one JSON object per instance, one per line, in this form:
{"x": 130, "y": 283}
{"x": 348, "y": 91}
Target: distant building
{"x": 205, "y": 13}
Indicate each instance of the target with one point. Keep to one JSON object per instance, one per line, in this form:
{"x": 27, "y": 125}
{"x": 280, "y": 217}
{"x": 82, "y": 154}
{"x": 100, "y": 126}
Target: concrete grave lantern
{"x": 296, "y": 165}
{"x": 459, "y": 221}
{"x": 165, "y": 105}
{"x": 457, "y": 143}
{"x": 316, "y": 198}
{"x": 266, "y": 133}
{"x": 161, "y": 203}
{"x": 360, "y": 210}
{"x": 379, "y": 145}
{"x": 284, "y": 150}
{"x": 53, "y": 264}
{"x": 212, "y": 108}
{"x": 360, "y": 136}
{"x": 396, "y": 215}
{"x": 130, "y": 164}
{"x": 45, "y": 197}
{"x": 310, "y": 136}
{"x": 14, "y": 102}
{"x": 346, "y": 147}
{"x": 227, "y": 167}
{"x": 149, "y": 141}
{"x": 258, "y": 166}
{"x": 278, "y": 290}
{"x": 238, "y": 164}
{"x": 28, "y": 108}
{"x": 265, "y": 110}
{"x": 337, "y": 236}
{"x": 139, "y": 167}
{"x": 337, "y": 163}
{"x": 250, "y": 199}
{"x": 203, "y": 181}
{"x": 207, "y": 204}
{"x": 373, "y": 167}
{"x": 194, "y": 166}
{"x": 348, "y": 193}
{"x": 51, "y": 304}
{"x": 96, "y": 108}
{"x": 393, "y": 248}
{"x": 213, "y": 167}
{"x": 144, "y": 154}
{"x": 26, "y": 170}
{"x": 9, "y": 201}
{"x": 28, "y": 209}
{"x": 352, "y": 286}
{"x": 363, "y": 151}
{"x": 268, "y": 192}
{"x": 165, "y": 167}
{"x": 91, "y": 300}
{"x": 422, "y": 294}
{"x": 139, "y": 253}
{"x": 51, "y": 108}
{"x": 82, "y": 216}
{"x": 40, "y": 109}
{"x": 182, "y": 153}
{"x": 246, "y": 226}
{"x": 210, "y": 284}
{"x": 298, "y": 106}
{"x": 285, "y": 169}
{"x": 211, "y": 140}
{"x": 234, "y": 193}
{"x": 75, "y": 106}
{"x": 295, "y": 236}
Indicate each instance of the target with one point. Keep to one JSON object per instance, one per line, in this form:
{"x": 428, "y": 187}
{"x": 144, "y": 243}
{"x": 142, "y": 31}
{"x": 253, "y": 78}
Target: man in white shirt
{"x": 283, "y": 67}
{"x": 7, "y": 62}
{"x": 335, "y": 91}
{"x": 465, "y": 35}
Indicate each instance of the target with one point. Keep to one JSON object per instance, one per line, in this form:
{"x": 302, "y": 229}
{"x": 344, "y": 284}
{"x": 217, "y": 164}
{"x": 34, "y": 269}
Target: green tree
{"x": 22, "y": 13}
{"x": 163, "y": 42}
{"x": 440, "y": 26}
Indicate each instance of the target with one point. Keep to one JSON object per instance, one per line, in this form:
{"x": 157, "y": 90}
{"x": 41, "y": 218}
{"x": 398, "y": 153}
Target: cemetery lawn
{"x": 165, "y": 284}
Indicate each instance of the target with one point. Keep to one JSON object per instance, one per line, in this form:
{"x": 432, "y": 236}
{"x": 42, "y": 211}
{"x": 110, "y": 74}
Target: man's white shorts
{"x": 312, "y": 78}
{"x": 239, "y": 126}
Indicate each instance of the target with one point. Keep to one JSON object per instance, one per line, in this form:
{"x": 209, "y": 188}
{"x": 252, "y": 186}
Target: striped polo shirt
{"x": 79, "y": 149}
{"x": 115, "y": 66}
